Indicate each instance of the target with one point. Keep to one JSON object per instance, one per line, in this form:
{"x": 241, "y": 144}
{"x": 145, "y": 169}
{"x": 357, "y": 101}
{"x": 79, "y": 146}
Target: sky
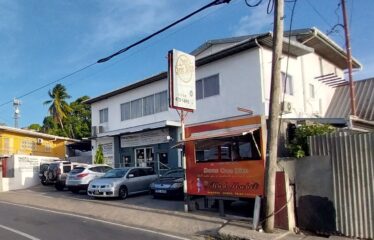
{"x": 41, "y": 41}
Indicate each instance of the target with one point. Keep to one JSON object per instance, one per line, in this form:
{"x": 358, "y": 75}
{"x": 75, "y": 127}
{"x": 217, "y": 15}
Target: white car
{"x": 79, "y": 178}
{"x": 121, "y": 182}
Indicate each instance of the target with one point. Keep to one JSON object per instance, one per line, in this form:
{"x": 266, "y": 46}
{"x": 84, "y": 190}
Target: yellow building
{"x": 28, "y": 142}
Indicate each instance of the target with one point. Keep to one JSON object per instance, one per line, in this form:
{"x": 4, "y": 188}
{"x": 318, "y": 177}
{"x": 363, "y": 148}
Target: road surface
{"x": 23, "y": 222}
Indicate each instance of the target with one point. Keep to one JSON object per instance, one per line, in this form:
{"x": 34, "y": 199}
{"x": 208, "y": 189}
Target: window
{"x": 207, "y": 87}
{"x": 125, "y": 111}
{"x": 104, "y": 115}
{"x": 237, "y": 148}
{"x": 288, "y": 82}
{"x": 145, "y": 106}
{"x": 148, "y": 105}
{"x": 311, "y": 91}
{"x": 161, "y": 102}
{"x": 136, "y": 108}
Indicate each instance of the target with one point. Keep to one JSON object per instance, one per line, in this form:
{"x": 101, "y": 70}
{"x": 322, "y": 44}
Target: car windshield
{"x": 174, "y": 174}
{"x": 77, "y": 170}
{"x": 115, "y": 173}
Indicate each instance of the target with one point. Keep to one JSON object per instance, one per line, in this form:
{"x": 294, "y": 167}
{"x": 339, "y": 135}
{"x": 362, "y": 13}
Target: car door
{"x": 133, "y": 184}
{"x": 148, "y": 177}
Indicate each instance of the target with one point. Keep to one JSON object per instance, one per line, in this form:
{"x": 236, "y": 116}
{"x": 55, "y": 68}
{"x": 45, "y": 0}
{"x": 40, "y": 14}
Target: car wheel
{"x": 43, "y": 181}
{"x": 122, "y": 192}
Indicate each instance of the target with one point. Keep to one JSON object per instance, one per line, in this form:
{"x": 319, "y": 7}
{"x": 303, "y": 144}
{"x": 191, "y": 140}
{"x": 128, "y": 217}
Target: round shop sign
{"x": 184, "y": 68}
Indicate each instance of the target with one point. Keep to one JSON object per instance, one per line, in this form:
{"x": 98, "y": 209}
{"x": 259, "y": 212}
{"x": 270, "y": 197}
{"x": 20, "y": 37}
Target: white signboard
{"x": 145, "y": 138}
{"x": 28, "y": 164}
{"x": 182, "y": 80}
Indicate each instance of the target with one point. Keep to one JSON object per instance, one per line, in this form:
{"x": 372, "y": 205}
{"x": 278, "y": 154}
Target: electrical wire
{"x": 50, "y": 83}
{"x": 253, "y": 5}
{"x": 216, "y": 2}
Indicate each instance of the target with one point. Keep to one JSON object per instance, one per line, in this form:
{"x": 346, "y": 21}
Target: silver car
{"x": 79, "y": 178}
{"x": 121, "y": 182}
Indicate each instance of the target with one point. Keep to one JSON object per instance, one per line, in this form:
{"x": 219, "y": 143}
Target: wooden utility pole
{"x": 274, "y": 113}
{"x": 349, "y": 60}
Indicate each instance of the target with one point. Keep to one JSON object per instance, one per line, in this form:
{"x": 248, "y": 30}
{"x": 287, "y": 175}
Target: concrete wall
{"x": 24, "y": 172}
{"x": 312, "y": 177}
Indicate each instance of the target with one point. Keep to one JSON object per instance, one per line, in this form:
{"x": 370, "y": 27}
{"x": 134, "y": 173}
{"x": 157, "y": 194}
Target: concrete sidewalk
{"x": 192, "y": 225}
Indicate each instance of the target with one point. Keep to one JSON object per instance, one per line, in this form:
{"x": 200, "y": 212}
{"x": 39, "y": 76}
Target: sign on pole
{"x": 182, "y": 80}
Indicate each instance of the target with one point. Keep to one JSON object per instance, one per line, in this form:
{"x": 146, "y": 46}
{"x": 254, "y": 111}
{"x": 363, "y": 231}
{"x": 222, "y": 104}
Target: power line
{"x": 216, "y": 2}
{"x": 50, "y": 83}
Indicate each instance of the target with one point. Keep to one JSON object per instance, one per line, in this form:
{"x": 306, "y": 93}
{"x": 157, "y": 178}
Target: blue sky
{"x": 44, "y": 40}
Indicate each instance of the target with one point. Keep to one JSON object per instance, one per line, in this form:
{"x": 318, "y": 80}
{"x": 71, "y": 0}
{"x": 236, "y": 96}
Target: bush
{"x": 99, "y": 156}
{"x": 299, "y": 145}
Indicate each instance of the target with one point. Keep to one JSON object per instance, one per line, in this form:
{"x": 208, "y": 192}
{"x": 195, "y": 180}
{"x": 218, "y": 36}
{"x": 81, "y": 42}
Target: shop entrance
{"x": 144, "y": 157}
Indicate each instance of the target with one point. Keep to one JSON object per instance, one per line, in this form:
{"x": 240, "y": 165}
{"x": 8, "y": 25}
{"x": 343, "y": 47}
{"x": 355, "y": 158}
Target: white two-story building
{"x": 135, "y": 126}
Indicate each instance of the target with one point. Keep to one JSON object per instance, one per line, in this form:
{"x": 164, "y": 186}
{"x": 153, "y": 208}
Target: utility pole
{"x": 274, "y": 113}
{"x": 349, "y": 60}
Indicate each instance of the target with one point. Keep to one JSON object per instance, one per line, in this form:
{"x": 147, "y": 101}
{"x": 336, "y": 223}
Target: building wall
{"x": 238, "y": 76}
{"x": 14, "y": 143}
{"x": 23, "y": 172}
{"x": 303, "y": 70}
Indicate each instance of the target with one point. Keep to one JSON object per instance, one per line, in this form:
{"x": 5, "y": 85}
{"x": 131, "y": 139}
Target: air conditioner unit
{"x": 101, "y": 129}
{"x": 286, "y": 107}
{"x": 94, "y": 131}
{"x": 39, "y": 141}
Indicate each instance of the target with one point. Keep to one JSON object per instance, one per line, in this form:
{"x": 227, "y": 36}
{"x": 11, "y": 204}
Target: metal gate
{"x": 352, "y": 158}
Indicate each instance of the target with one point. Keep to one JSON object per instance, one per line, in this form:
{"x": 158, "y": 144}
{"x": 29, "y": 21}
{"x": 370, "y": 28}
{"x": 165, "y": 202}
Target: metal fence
{"x": 352, "y": 158}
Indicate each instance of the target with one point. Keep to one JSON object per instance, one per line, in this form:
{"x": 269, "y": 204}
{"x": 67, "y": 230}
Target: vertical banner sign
{"x": 182, "y": 80}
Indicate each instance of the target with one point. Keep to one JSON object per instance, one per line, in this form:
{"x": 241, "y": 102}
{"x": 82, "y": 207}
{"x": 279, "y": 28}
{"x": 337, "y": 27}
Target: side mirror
{"x": 130, "y": 175}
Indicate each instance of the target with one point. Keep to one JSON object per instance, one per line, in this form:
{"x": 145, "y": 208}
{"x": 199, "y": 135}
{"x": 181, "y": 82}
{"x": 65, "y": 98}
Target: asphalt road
{"x": 22, "y": 222}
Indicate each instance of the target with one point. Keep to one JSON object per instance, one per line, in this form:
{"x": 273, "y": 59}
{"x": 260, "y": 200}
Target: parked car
{"x": 43, "y": 168}
{"x": 169, "y": 185}
{"x": 121, "y": 182}
{"x": 57, "y": 173}
{"x": 79, "y": 178}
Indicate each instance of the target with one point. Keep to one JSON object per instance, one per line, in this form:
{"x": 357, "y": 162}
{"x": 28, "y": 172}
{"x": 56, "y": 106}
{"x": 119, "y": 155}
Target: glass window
{"x": 116, "y": 173}
{"x": 199, "y": 89}
{"x": 77, "y": 170}
{"x": 125, "y": 111}
{"x": 148, "y": 105}
{"x": 288, "y": 83}
{"x": 136, "y": 108}
{"x": 211, "y": 86}
{"x": 237, "y": 148}
{"x": 104, "y": 115}
{"x": 135, "y": 172}
{"x": 311, "y": 91}
{"x": 207, "y": 87}
{"x": 161, "y": 102}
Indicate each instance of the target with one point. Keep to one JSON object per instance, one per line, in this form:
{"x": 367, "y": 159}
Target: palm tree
{"x": 58, "y": 108}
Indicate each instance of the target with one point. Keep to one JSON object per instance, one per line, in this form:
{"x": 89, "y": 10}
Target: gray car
{"x": 121, "y": 182}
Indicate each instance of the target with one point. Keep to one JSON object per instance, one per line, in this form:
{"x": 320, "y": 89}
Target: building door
{"x": 144, "y": 157}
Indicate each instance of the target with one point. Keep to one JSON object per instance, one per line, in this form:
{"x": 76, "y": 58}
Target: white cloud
{"x": 257, "y": 21}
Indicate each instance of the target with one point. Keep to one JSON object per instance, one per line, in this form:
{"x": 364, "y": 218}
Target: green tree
{"x": 35, "y": 126}
{"x": 299, "y": 145}
{"x": 78, "y": 122}
{"x": 58, "y": 107}
{"x": 99, "y": 156}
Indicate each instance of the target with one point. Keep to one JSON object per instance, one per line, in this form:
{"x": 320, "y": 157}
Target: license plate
{"x": 160, "y": 191}
{"x": 96, "y": 192}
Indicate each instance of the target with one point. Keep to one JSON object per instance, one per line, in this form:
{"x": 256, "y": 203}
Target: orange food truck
{"x": 225, "y": 159}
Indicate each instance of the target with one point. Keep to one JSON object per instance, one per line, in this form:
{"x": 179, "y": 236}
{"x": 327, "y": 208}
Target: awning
{"x": 224, "y": 132}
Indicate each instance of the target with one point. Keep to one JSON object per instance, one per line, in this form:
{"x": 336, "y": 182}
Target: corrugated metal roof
{"x": 340, "y": 103}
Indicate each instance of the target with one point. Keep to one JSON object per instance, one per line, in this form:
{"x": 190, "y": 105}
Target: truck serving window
{"x": 233, "y": 148}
